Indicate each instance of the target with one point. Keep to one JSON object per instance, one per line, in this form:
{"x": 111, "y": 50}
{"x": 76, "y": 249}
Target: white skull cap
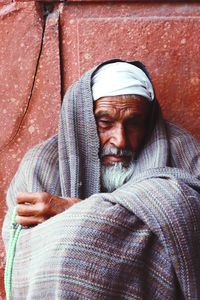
{"x": 121, "y": 78}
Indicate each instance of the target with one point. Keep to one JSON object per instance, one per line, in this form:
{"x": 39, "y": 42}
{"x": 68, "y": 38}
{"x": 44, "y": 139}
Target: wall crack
{"x": 47, "y": 9}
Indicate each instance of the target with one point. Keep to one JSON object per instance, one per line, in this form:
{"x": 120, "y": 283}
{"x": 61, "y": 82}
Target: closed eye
{"x": 104, "y": 123}
{"x": 134, "y": 122}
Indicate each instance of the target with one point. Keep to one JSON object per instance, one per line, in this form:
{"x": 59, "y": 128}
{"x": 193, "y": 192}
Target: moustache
{"x": 116, "y": 151}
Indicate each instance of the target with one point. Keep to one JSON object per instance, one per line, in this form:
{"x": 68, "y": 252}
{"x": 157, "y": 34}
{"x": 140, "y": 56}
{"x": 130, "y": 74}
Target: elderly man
{"x": 136, "y": 234}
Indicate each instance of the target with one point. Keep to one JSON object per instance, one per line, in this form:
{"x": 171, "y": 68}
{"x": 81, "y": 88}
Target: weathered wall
{"x": 30, "y": 90}
{"x": 46, "y": 45}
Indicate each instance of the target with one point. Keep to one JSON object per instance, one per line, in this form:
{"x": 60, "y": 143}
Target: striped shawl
{"x": 140, "y": 242}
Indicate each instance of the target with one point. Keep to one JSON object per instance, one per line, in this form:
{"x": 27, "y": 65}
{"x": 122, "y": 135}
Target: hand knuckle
{"x": 40, "y": 197}
{"x": 44, "y": 197}
{"x": 45, "y": 194}
{"x": 41, "y": 220}
{"x": 42, "y": 208}
{"x": 17, "y": 209}
{"x": 18, "y": 219}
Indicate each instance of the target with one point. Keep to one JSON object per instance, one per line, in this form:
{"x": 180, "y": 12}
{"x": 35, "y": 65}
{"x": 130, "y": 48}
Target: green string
{"x": 15, "y": 231}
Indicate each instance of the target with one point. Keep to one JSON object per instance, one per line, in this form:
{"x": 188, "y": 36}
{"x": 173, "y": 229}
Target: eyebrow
{"x": 104, "y": 114}
{"x": 136, "y": 115}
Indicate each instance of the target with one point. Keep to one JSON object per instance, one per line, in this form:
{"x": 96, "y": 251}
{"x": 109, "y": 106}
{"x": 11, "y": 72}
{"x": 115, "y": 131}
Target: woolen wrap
{"x": 140, "y": 242}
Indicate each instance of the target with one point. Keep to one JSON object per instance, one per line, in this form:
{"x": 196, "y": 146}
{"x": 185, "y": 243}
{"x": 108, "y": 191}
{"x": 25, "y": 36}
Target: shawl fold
{"x": 140, "y": 242}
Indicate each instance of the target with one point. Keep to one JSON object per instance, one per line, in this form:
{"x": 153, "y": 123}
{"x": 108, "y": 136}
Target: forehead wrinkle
{"x": 110, "y": 110}
{"x": 119, "y": 102}
{"x": 119, "y": 115}
{"x": 104, "y": 112}
{"x": 120, "y": 108}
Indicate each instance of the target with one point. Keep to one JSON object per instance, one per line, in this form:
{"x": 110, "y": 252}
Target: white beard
{"x": 114, "y": 176}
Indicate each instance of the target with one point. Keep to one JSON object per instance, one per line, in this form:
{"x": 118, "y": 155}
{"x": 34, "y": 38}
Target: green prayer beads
{"x": 15, "y": 231}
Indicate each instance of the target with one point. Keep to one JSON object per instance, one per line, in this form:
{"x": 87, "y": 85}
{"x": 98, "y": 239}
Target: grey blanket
{"x": 140, "y": 242}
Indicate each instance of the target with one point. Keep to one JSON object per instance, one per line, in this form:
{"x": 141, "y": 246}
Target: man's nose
{"x": 118, "y": 138}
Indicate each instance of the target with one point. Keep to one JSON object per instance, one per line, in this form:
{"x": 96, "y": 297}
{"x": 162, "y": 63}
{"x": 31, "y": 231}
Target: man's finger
{"x": 29, "y": 221}
{"x": 26, "y": 197}
{"x": 26, "y": 210}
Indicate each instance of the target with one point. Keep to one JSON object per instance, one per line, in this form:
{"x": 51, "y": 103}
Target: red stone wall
{"x": 46, "y": 45}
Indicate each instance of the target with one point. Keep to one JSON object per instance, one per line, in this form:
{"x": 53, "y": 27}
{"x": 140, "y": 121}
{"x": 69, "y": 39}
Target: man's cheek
{"x": 103, "y": 138}
{"x": 136, "y": 138}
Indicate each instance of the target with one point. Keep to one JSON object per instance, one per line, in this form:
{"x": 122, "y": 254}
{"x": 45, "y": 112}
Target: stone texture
{"x": 127, "y": 1}
{"x": 18, "y": 58}
{"x": 165, "y": 37}
{"x": 3, "y": 2}
{"x": 42, "y": 1}
{"x": 29, "y": 86}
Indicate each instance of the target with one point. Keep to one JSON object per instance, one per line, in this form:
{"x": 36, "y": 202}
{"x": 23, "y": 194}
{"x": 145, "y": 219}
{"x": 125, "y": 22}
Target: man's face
{"x": 121, "y": 123}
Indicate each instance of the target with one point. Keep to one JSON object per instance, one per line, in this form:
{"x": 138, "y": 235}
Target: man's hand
{"x": 35, "y": 208}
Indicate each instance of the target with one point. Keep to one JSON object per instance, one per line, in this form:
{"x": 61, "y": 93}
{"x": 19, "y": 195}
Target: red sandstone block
{"x": 128, "y": 1}
{"x": 167, "y": 44}
{"x": 30, "y": 89}
{"x": 3, "y": 2}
